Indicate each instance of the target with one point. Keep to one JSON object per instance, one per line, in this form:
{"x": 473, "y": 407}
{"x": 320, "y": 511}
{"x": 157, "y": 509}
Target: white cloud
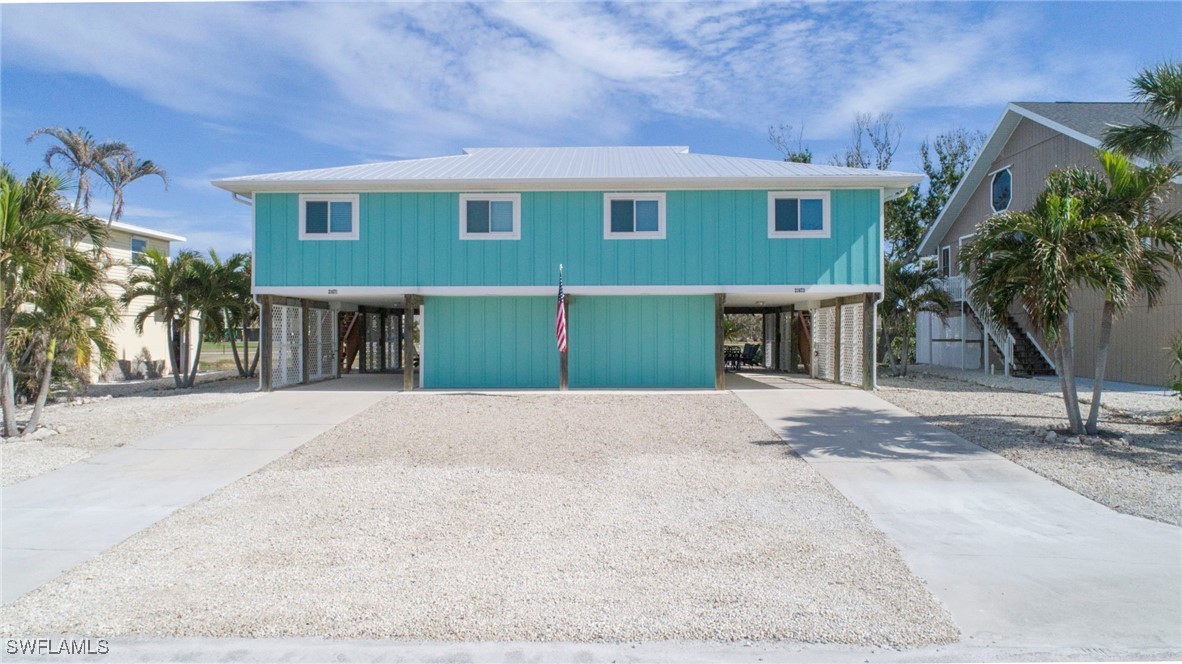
{"x": 391, "y": 80}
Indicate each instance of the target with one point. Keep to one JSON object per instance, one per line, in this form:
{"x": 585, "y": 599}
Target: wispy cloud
{"x": 402, "y": 80}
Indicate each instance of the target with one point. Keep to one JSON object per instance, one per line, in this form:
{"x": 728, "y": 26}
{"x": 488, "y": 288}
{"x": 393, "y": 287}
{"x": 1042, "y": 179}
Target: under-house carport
{"x": 830, "y": 339}
{"x": 307, "y": 341}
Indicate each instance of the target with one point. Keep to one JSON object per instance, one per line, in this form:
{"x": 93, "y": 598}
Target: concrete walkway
{"x": 1018, "y": 560}
{"x": 53, "y": 522}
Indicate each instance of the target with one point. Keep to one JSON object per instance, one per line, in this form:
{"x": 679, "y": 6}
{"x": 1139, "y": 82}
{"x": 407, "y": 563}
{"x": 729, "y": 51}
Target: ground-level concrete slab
{"x": 1020, "y": 562}
{"x": 53, "y": 522}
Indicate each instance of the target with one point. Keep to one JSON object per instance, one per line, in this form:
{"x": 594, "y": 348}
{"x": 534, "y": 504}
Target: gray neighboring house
{"x": 1030, "y": 140}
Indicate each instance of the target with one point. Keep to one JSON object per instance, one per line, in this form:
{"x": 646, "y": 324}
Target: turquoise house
{"x": 656, "y": 244}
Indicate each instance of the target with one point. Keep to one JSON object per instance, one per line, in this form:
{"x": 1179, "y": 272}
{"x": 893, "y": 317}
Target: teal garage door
{"x": 489, "y": 342}
{"x": 642, "y": 341}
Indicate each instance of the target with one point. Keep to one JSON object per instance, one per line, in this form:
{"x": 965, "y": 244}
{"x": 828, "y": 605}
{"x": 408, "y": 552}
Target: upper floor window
{"x": 490, "y": 216}
{"x": 329, "y": 217}
{"x": 1002, "y": 190}
{"x": 945, "y": 262}
{"x": 138, "y": 246}
{"x": 634, "y": 216}
{"x": 800, "y": 214}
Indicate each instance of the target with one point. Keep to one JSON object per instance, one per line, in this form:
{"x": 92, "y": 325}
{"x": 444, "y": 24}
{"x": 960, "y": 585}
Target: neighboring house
{"x": 1031, "y": 140}
{"x": 125, "y": 243}
{"x": 656, "y": 243}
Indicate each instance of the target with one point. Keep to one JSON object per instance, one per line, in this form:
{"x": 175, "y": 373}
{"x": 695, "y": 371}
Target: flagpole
{"x": 563, "y": 367}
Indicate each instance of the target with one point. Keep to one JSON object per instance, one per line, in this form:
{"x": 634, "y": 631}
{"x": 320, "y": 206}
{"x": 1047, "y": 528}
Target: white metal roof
{"x": 569, "y": 168}
{"x": 132, "y": 229}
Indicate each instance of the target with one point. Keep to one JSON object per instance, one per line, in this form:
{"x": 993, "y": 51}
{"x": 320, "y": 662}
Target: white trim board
{"x": 344, "y": 292}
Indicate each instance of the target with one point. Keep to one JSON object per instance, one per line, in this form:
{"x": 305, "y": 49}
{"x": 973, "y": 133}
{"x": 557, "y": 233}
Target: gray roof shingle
{"x": 1092, "y": 118}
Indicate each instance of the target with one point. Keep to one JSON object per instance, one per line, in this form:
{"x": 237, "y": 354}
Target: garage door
{"x": 489, "y": 342}
{"x": 642, "y": 341}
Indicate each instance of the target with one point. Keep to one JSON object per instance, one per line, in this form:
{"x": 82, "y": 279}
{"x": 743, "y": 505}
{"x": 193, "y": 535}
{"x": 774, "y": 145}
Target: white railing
{"x": 954, "y": 286}
{"x": 1000, "y": 336}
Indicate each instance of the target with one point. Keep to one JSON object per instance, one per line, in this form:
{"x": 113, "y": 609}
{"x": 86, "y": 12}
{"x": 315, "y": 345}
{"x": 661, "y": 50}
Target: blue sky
{"x": 219, "y": 89}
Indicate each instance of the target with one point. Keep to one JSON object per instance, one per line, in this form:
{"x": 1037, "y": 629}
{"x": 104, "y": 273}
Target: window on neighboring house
{"x": 1002, "y": 190}
{"x": 945, "y": 262}
{"x": 634, "y": 216}
{"x": 329, "y": 217}
{"x": 490, "y": 216}
{"x": 797, "y": 214}
{"x": 138, "y": 246}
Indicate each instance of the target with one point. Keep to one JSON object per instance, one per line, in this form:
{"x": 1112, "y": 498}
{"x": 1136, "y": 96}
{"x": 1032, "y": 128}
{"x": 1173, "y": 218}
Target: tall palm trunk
{"x": 233, "y": 334}
{"x": 43, "y": 391}
{"x": 1063, "y": 356}
{"x": 7, "y": 387}
{"x": 246, "y": 349}
{"x": 192, "y": 378}
{"x": 174, "y": 352}
{"x": 1106, "y": 319}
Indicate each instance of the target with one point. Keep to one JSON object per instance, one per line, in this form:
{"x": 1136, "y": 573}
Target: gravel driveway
{"x": 568, "y": 517}
{"x": 87, "y": 428}
{"x": 1143, "y": 477}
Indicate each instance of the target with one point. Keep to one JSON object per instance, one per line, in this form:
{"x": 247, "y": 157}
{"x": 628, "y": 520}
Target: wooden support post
{"x": 264, "y": 344}
{"x": 563, "y": 357}
{"x": 719, "y": 339}
{"x": 408, "y": 342}
{"x": 869, "y": 343}
{"x": 793, "y": 342}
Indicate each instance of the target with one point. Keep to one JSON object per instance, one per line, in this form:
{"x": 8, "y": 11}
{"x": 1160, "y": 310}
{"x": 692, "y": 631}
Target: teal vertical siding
{"x": 489, "y": 342}
{"x": 641, "y": 341}
{"x": 712, "y": 238}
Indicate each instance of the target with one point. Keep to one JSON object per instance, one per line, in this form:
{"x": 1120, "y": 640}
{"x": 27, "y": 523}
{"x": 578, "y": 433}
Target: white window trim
{"x": 993, "y": 176}
{"x": 823, "y": 196}
{"x": 944, "y": 265}
{"x": 330, "y": 198}
{"x": 658, "y": 234}
{"x": 501, "y": 235}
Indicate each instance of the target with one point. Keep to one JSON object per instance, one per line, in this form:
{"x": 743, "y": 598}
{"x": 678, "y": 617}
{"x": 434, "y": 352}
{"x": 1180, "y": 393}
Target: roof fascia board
{"x": 131, "y": 229}
{"x": 1006, "y": 124}
{"x": 370, "y": 186}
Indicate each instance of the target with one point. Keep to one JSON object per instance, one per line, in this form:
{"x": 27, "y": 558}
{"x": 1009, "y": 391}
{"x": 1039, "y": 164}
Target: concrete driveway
{"x": 53, "y": 522}
{"x": 1020, "y": 561}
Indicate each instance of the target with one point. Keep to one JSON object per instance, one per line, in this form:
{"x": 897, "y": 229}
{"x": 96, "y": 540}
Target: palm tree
{"x": 1037, "y": 258}
{"x": 1160, "y": 89}
{"x": 75, "y": 316}
{"x": 82, "y": 155}
{"x": 910, "y": 289}
{"x": 239, "y": 312}
{"x": 121, "y": 170}
{"x": 1136, "y": 197}
{"x": 40, "y": 266}
{"x": 168, "y": 284}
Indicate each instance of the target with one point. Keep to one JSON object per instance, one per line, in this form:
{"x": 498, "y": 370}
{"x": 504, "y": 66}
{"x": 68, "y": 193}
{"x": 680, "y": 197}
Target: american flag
{"x": 560, "y": 324}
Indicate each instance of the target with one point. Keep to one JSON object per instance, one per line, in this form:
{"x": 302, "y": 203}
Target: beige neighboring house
{"x": 1031, "y": 140}
{"x": 124, "y": 244}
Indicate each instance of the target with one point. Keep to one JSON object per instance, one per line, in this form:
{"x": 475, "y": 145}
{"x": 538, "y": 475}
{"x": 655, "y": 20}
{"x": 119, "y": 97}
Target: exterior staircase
{"x": 1027, "y": 360}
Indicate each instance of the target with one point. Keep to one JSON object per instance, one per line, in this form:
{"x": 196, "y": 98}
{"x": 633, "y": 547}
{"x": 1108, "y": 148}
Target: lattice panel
{"x": 824, "y": 338}
{"x": 287, "y": 362}
{"x": 851, "y": 344}
{"x": 393, "y": 352}
{"x": 322, "y": 344}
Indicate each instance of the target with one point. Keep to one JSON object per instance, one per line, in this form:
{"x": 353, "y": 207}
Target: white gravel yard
{"x": 557, "y": 517}
{"x": 1143, "y": 477}
{"x": 98, "y": 424}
